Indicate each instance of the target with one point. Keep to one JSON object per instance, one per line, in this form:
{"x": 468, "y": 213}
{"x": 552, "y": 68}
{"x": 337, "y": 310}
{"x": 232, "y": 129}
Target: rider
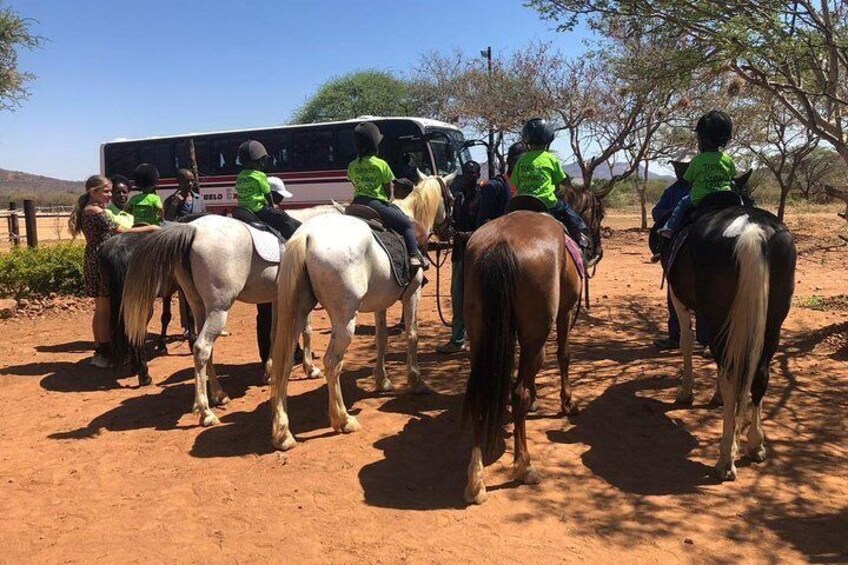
{"x": 538, "y": 173}
{"x": 254, "y": 191}
{"x": 372, "y": 178}
{"x": 710, "y": 171}
{"x": 146, "y": 207}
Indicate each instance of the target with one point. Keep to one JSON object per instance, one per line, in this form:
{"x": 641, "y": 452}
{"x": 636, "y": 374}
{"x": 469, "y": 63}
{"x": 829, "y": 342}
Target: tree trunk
{"x": 643, "y": 204}
{"x": 784, "y": 192}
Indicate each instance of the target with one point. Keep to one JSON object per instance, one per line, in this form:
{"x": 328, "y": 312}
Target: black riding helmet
{"x": 715, "y": 128}
{"x": 366, "y": 138}
{"x": 537, "y": 132}
{"x": 251, "y": 151}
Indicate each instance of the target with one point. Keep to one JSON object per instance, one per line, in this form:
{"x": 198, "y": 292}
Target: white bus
{"x": 312, "y": 159}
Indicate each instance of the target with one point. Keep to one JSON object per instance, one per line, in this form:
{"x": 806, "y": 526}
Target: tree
{"x": 821, "y": 167}
{"x": 794, "y": 50}
{"x": 14, "y": 35}
{"x": 362, "y": 93}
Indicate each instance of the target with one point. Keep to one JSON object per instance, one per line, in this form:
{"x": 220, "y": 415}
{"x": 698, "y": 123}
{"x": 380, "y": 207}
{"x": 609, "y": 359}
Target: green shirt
{"x": 252, "y": 187}
{"x": 369, "y": 176}
{"x": 708, "y": 173}
{"x": 538, "y": 173}
{"x": 121, "y": 218}
{"x": 145, "y": 208}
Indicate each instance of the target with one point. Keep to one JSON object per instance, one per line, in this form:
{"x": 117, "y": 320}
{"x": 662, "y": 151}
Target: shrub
{"x": 28, "y": 273}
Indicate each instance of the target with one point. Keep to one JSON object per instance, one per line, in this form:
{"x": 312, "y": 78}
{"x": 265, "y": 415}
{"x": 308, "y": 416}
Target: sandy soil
{"x": 93, "y": 469}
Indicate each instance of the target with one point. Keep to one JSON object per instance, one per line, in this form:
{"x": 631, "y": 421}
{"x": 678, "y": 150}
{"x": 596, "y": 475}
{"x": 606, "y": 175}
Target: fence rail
{"x": 47, "y": 224}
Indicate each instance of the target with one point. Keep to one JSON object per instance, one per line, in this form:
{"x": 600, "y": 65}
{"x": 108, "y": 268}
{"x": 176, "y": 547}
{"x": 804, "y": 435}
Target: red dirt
{"x": 94, "y": 469}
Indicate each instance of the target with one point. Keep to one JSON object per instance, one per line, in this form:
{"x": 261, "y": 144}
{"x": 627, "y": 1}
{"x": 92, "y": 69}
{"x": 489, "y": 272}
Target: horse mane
{"x": 422, "y": 204}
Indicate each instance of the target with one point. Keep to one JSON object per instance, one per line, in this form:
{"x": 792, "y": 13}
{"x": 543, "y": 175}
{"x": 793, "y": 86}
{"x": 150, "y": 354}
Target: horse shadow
{"x": 63, "y": 376}
{"x": 159, "y": 408}
{"x": 424, "y": 464}
{"x": 70, "y": 347}
{"x": 634, "y": 445}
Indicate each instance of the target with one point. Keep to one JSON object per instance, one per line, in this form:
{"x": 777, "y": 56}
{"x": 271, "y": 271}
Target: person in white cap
{"x": 278, "y": 190}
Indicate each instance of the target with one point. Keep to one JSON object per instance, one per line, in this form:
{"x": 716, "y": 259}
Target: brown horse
{"x": 590, "y": 207}
{"x": 519, "y": 281}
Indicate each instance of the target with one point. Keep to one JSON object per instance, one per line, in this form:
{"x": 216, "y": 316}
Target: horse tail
{"x": 745, "y": 328}
{"x": 293, "y": 283}
{"x": 151, "y": 269}
{"x": 488, "y": 388}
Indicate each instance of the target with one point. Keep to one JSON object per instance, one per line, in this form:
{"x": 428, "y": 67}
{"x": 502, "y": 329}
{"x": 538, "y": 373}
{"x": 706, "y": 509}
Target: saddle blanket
{"x": 394, "y": 246}
{"x": 267, "y": 246}
{"x": 574, "y": 251}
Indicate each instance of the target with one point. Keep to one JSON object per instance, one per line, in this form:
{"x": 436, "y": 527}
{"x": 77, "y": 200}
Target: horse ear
{"x": 421, "y": 176}
{"x": 742, "y": 180}
{"x": 450, "y": 178}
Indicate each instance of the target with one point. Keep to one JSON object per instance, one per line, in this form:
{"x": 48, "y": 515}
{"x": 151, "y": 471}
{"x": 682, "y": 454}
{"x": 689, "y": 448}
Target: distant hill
{"x": 603, "y": 172}
{"x": 15, "y": 185}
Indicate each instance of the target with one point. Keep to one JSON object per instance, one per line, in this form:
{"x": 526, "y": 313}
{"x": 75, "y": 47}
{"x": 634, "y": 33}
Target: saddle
{"x": 391, "y": 242}
{"x": 266, "y": 240}
{"x": 252, "y": 220}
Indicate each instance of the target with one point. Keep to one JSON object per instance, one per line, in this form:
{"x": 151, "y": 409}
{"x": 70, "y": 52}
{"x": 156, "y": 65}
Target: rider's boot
{"x": 418, "y": 261}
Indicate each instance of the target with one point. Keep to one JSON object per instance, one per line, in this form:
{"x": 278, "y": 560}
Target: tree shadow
{"x": 820, "y": 537}
{"x": 62, "y": 376}
{"x": 634, "y": 445}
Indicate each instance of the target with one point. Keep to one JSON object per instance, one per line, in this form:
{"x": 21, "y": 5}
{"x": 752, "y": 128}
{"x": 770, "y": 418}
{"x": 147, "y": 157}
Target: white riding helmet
{"x": 278, "y": 186}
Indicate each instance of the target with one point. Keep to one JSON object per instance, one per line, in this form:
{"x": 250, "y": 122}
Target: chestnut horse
{"x": 519, "y": 281}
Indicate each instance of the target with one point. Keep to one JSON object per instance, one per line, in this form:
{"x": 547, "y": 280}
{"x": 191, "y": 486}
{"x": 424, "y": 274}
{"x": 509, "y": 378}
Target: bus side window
{"x": 277, "y": 146}
{"x": 345, "y": 150}
{"x": 121, "y": 159}
{"x": 161, "y": 156}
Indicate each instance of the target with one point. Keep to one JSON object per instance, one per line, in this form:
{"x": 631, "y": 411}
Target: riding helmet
{"x": 366, "y": 138}
{"x": 537, "y": 132}
{"x": 251, "y": 151}
{"x": 715, "y": 126}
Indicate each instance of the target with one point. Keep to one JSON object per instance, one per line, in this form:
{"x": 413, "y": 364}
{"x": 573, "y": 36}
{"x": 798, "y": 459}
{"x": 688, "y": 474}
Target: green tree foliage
{"x": 373, "y": 93}
{"x": 14, "y": 35}
{"x": 28, "y": 273}
{"x": 794, "y": 50}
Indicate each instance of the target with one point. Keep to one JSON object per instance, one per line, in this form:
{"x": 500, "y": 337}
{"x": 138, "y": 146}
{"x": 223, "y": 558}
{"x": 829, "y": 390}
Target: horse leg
{"x": 341, "y": 337}
{"x": 529, "y": 362}
{"x": 217, "y": 394}
{"x": 381, "y": 336}
{"x": 309, "y": 368}
{"x": 726, "y": 466}
{"x": 410, "y": 320}
{"x": 161, "y": 346}
{"x": 684, "y": 393}
{"x": 756, "y": 449}
{"x": 567, "y": 403}
{"x": 475, "y": 489}
{"x": 140, "y": 366}
{"x": 212, "y": 327}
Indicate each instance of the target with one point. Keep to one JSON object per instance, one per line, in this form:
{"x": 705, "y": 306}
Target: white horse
{"x": 334, "y": 260}
{"x": 215, "y": 264}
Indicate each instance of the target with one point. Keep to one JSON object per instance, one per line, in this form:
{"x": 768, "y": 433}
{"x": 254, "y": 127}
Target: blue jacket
{"x": 494, "y": 197}
{"x": 669, "y": 199}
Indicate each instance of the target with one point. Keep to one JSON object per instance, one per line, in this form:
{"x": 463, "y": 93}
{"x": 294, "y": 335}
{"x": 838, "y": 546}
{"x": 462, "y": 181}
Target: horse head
{"x": 431, "y": 203}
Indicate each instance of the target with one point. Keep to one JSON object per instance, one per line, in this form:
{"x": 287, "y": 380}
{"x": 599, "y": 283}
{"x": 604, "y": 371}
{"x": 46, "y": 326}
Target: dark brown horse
{"x": 519, "y": 282}
{"x": 590, "y": 207}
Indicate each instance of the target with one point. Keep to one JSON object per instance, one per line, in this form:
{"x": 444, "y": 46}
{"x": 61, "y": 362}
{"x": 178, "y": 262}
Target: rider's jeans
{"x": 573, "y": 222}
{"x": 675, "y": 222}
{"x": 394, "y": 219}
{"x": 458, "y": 334}
{"x": 278, "y": 220}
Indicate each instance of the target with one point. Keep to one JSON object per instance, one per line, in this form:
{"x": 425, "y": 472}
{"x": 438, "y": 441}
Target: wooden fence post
{"x": 14, "y": 227}
{"x": 31, "y": 228}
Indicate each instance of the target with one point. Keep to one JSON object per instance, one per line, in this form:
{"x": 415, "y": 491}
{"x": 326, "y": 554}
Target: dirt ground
{"x": 93, "y": 469}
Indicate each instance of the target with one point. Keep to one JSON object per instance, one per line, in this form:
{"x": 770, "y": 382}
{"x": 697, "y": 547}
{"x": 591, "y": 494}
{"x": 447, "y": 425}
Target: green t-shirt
{"x": 538, "y": 173}
{"x": 708, "y": 173}
{"x": 120, "y": 217}
{"x": 369, "y": 176}
{"x": 145, "y": 208}
{"x": 252, "y": 187}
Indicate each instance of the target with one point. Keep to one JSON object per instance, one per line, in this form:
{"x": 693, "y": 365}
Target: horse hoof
{"x": 421, "y": 388}
{"x": 315, "y": 373}
{"x": 145, "y": 380}
{"x": 531, "y": 476}
{"x": 570, "y": 408}
{"x": 209, "y": 419}
{"x": 478, "y": 497}
{"x": 286, "y": 443}
{"x": 534, "y": 407}
{"x": 352, "y": 425}
{"x": 757, "y": 455}
{"x": 725, "y": 472}
{"x": 385, "y": 385}
{"x": 222, "y": 401}
{"x": 684, "y": 400}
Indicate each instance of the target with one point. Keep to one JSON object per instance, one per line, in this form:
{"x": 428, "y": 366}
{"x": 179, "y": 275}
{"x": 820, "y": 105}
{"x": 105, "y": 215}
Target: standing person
{"x": 91, "y": 217}
{"x": 496, "y": 192}
{"x": 254, "y": 191}
{"x": 120, "y": 196}
{"x": 186, "y": 199}
{"x": 538, "y": 173}
{"x": 663, "y": 209}
{"x": 147, "y": 206}
{"x": 372, "y": 178}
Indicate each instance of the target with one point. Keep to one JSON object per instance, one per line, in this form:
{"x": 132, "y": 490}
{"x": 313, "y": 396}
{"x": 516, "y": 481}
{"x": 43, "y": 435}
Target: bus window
{"x": 224, "y": 155}
{"x": 160, "y": 155}
{"x": 345, "y": 150}
{"x": 277, "y": 146}
{"x": 313, "y": 150}
{"x": 444, "y": 155}
{"x": 120, "y": 159}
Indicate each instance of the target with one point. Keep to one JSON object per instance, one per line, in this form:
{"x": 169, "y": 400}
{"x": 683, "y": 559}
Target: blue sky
{"x": 136, "y": 68}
